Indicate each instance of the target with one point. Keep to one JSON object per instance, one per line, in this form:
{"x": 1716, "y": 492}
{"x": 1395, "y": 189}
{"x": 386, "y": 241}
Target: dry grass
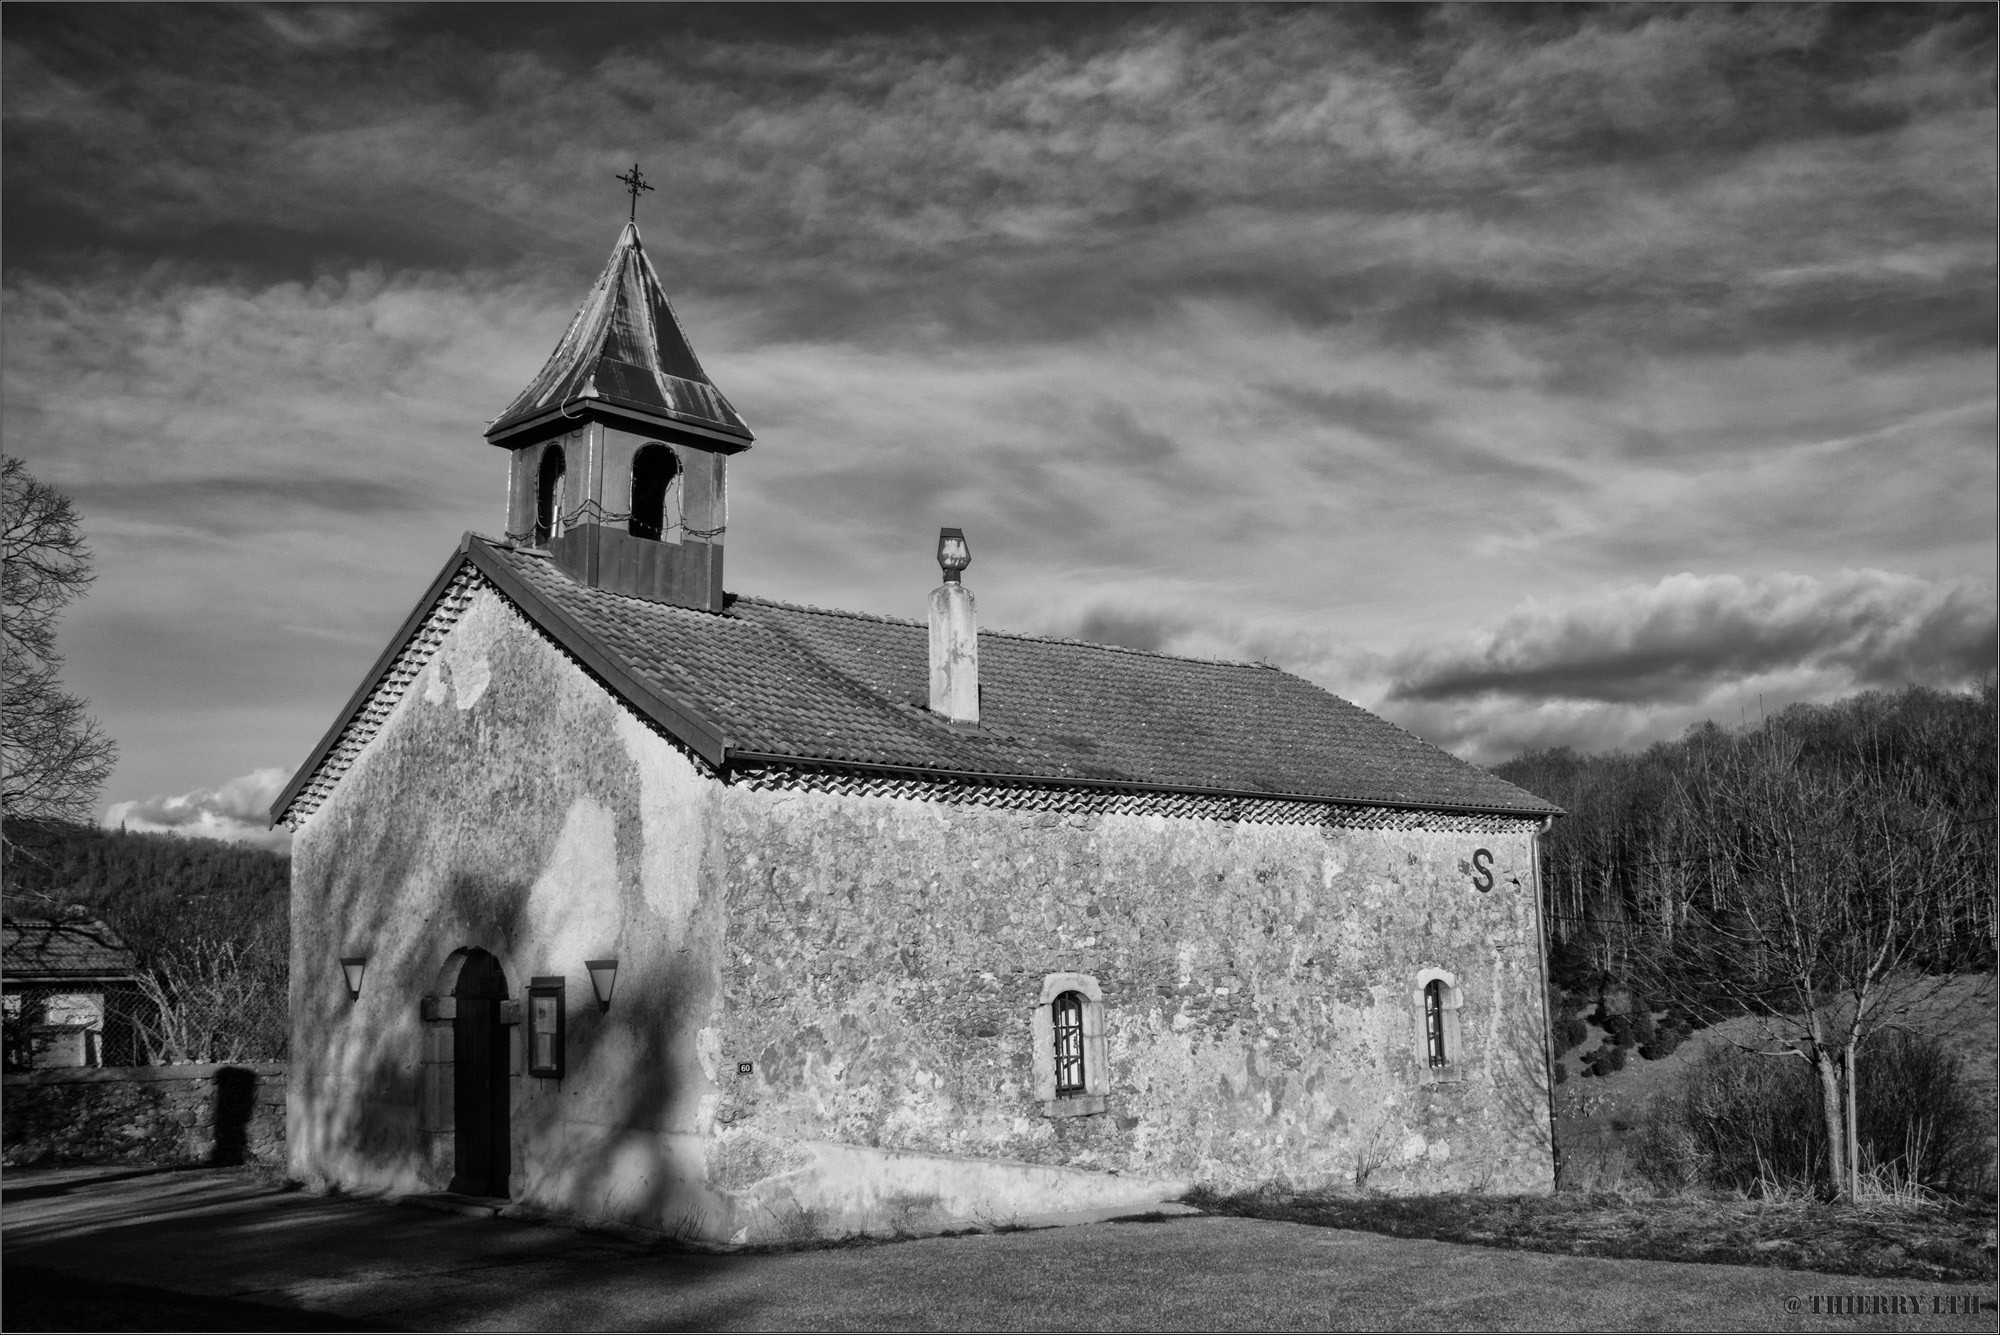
{"x": 1883, "y": 1236}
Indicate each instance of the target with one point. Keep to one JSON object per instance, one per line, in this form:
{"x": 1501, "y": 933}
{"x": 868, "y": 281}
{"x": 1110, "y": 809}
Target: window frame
{"x": 1438, "y": 1027}
{"x": 1434, "y": 1047}
{"x": 1066, "y": 1018}
{"x": 543, "y": 989}
{"x": 1092, "y": 1098}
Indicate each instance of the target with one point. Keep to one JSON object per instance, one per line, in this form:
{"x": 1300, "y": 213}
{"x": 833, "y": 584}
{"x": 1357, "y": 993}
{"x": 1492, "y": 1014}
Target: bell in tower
{"x": 619, "y": 446}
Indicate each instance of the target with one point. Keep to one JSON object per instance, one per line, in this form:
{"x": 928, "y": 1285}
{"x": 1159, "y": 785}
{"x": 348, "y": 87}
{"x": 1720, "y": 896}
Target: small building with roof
{"x": 69, "y": 988}
{"x": 622, "y": 896}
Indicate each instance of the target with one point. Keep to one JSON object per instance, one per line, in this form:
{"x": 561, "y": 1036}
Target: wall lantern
{"x": 953, "y": 554}
{"x": 603, "y": 973}
{"x": 353, "y": 966}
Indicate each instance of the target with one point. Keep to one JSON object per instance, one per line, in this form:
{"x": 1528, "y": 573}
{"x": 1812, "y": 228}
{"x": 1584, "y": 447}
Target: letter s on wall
{"x": 1482, "y": 863}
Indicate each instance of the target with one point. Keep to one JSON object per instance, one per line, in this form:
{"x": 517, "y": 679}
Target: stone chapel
{"x": 624, "y": 898}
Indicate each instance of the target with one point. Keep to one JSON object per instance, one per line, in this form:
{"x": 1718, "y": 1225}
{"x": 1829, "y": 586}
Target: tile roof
{"x": 625, "y": 348}
{"x": 34, "y": 950}
{"x": 767, "y": 683}
{"x": 774, "y": 680}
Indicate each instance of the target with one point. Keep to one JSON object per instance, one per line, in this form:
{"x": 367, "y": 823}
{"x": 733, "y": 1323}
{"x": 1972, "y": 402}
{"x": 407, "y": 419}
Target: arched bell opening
{"x": 654, "y": 469}
{"x": 549, "y": 494}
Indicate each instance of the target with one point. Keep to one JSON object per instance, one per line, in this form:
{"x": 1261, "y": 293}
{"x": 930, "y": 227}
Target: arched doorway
{"x": 479, "y": 1079}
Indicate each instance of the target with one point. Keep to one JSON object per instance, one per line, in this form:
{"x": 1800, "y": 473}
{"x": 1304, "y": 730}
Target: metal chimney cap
{"x": 953, "y": 554}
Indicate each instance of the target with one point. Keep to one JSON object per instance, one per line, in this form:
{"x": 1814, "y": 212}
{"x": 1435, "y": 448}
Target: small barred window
{"x": 1434, "y": 1022}
{"x": 1067, "y": 1015}
{"x": 1436, "y": 998}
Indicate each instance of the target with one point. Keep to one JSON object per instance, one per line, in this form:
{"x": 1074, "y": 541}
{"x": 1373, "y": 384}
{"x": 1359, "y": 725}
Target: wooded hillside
{"x": 1642, "y": 829}
{"x": 210, "y": 922}
{"x": 157, "y": 890}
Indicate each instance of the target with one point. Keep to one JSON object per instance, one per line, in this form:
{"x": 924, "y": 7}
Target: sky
{"x": 1533, "y": 376}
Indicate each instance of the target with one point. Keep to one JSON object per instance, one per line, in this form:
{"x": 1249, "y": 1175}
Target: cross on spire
{"x": 634, "y": 183}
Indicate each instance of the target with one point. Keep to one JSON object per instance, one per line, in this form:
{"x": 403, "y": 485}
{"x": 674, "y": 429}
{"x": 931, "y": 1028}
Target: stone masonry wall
{"x": 145, "y": 1115}
{"x": 885, "y": 957}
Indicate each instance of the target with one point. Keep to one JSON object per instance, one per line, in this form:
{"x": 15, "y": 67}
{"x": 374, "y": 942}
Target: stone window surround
{"x": 1453, "y": 1070}
{"x": 1094, "y": 1099}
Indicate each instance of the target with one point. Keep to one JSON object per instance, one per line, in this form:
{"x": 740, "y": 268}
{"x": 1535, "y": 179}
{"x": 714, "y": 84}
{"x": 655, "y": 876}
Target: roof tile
{"x": 845, "y": 688}
{"x": 33, "y": 949}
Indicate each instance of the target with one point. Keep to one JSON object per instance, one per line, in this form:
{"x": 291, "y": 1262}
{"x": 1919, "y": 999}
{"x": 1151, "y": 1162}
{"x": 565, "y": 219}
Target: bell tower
{"x": 618, "y": 448}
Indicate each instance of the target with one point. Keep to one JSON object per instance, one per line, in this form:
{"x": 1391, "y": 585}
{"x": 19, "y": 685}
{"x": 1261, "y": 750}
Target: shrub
{"x": 1643, "y": 1028}
{"x": 1667, "y": 1154}
{"x": 1570, "y": 966}
{"x": 1624, "y": 1038}
{"x": 1918, "y": 1118}
{"x": 1570, "y": 1032}
{"x": 1663, "y": 1045}
{"x": 1747, "y": 1120}
{"x": 1754, "y": 1123}
{"x": 1558, "y": 1073}
{"x": 1601, "y": 1062}
{"x": 1618, "y": 1055}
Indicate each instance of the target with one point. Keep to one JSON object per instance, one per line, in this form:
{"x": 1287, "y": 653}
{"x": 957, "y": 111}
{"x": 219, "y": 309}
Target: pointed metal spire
{"x": 626, "y": 354}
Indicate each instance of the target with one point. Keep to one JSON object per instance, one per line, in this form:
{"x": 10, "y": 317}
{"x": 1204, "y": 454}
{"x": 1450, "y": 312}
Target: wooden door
{"x": 480, "y": 1096}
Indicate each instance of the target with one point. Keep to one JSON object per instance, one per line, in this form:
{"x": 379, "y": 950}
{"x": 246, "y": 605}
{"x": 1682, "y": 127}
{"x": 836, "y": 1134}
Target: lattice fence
{"x": 73, "y": 1024}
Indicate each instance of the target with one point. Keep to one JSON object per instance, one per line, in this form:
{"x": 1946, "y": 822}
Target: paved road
{"x": 226, "y": 1240}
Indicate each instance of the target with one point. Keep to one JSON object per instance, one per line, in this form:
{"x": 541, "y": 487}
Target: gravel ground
{"x": 209, "y": 1250}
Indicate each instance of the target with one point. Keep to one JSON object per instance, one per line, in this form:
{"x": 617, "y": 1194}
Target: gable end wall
{"x": 508, "y": 803}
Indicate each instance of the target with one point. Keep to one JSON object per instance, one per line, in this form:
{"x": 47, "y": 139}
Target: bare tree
{"x": 53, "y": 757}
{"x": 215, "y": 1000}
{"x": 1813, "y": 895}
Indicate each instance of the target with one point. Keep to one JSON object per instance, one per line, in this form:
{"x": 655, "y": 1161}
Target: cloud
{"x": 1636, "y": 174}
{"x": 1303, "y": 334}
{"x": 1635, "y": 664}
{"x": 1130, "y": 628}
{"x": 1676, "y": 640}
{"x": 237, "y": 811}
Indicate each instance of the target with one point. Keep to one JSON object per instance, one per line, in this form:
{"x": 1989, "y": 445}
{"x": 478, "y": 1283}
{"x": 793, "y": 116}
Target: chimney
{"x": 954, "y": 635}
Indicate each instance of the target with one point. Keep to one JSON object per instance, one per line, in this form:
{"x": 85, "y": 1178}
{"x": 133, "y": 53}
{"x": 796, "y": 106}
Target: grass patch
{"x": 1885, "y": 1238}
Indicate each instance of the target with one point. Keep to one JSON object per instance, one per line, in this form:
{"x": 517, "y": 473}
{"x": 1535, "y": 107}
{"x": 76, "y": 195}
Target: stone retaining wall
{"x": 144, "y": 1115}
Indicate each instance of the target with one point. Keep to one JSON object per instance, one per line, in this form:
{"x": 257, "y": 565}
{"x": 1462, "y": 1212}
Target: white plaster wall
{"x": 510, "y": 804}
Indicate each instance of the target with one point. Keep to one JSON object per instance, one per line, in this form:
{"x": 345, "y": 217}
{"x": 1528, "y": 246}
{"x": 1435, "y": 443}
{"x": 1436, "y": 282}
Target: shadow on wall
{"x": 388, "y": 1119}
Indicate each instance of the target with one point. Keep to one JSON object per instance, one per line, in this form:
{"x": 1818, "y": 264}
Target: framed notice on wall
{"x": 545, "y": 1028}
